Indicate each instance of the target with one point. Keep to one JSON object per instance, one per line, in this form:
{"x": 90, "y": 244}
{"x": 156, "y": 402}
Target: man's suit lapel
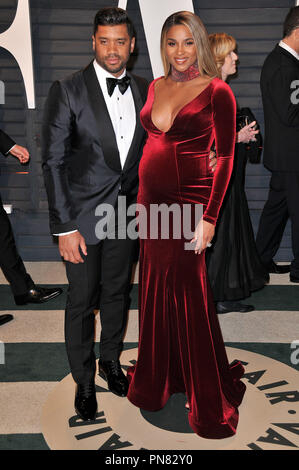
{"x": 133, "y": 151}
{"x": 105, "y": 127}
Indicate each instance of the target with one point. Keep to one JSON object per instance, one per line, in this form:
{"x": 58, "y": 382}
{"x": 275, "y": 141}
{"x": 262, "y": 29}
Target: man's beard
{"x": 110, "y": 68}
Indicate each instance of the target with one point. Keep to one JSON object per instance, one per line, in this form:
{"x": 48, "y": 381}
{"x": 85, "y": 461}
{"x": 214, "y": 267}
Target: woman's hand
{"x": 213, "y": 160}
{"x": 203, "y": 235}
{"x": 247, "y": 133}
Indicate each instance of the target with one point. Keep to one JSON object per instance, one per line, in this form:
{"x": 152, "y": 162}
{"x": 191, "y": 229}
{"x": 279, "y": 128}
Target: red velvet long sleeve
{"x": 224, "y": 118}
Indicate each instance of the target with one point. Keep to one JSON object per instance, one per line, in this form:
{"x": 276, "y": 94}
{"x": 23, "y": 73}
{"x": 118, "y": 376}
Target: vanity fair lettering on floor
{"x": 114, "y": 442}
{"x": 268, "y": 418}
{"x": 271, "y": 435}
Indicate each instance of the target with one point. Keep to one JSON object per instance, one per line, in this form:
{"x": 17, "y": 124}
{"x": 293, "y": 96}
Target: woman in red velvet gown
{"x": 180, "y": 342}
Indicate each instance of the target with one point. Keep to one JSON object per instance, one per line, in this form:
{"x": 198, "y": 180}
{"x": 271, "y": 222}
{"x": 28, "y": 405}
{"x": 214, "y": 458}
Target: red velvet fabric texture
{"x": 181, "y": 347}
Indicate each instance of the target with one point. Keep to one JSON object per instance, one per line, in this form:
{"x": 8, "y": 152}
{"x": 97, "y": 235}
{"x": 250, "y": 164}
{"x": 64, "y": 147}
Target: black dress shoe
{"x": 294, "y": 278}
{"x": 278, "y": 268}
{"x": 5, "y": 319}
{"x": 38, "y": 295}
{"x": 231, "y": 306}
{"x": 116, "y": 380}
{"x": 85, "y": 401}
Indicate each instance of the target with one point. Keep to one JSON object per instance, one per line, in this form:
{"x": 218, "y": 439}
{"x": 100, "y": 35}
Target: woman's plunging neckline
{"x": 182, "y": 108}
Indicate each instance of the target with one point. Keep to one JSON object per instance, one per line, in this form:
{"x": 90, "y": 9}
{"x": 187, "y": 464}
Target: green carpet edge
{"x": 47, "y": 362}
{"x": 272, "y": 297}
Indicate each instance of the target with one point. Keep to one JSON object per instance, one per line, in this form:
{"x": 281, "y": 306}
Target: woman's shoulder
{"x": 152, "y": 84}
{"x": 151, "y": 88}
{"x": 221, "y": 88}
{"x": 219, "y": 84}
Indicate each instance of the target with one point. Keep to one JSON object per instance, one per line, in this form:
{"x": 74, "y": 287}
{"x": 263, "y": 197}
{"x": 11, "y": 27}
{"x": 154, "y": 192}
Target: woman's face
{"x": 180, "y": 48}
{"x": 229, "y": 67}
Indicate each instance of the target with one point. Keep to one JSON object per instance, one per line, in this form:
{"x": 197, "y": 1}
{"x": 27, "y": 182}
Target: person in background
{"x": 279, "y": 86}
{"x": 24, "y": 289}
{"x": 234, "y": 265}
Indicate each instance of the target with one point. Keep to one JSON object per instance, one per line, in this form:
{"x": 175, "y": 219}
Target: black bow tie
{"x": 122, "y": 83}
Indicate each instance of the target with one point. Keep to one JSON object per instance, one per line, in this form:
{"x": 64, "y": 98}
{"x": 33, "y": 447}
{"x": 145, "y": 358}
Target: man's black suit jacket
{"x": 6, "y": 143}
{"x": 81, "y": 161}
{"x": 281, "y": 144}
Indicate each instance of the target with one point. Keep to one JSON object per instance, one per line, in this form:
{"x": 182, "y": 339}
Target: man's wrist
{"x": 10, "y": 149}
{"x": 65, "y": 233}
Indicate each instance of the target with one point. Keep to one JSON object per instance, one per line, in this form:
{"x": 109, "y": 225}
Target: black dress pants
{"x": 103, "y": 280}
{"x": 10, "y": 261}
{"x": 282, "y": 203}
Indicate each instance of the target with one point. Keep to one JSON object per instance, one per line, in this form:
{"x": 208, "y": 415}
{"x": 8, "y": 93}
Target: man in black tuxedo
{"x": 22, "y": 286}
{"x": 92, "y": 145}
{"x": 279, "y": 78}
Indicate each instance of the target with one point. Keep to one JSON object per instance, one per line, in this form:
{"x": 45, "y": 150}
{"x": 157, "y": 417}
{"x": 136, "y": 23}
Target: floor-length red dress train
{"x": 181, "y": 347}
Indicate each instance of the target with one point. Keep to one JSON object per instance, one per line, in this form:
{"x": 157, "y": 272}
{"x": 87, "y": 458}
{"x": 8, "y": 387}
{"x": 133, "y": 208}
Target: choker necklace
{"x": 189, "y": 74}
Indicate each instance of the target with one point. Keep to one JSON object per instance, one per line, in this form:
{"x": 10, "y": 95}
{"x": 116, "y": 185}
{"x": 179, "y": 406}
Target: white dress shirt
{"x": 289, "y": 49}
{"x": 122, "y": 113}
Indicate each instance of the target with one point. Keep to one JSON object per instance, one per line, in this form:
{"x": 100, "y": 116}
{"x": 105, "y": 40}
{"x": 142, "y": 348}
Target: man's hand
{"x": 213, "y": 160}
{"x": 21, "y": 153}
{"x": 69, "y": 247}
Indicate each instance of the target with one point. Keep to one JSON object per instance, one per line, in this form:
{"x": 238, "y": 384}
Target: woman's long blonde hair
{"x": 222, "y": 44}
{"x": 205, "y": 58}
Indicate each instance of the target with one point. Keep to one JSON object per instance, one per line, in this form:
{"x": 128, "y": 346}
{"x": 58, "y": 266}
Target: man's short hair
{"x": 112, "y": 16}
{"x": 291, "y": 22}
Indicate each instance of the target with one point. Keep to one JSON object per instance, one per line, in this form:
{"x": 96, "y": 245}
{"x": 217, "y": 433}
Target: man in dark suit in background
{"x": 92, "y": 145}
{"x": 280, "y": 75}
{"x": 23, "y": 287}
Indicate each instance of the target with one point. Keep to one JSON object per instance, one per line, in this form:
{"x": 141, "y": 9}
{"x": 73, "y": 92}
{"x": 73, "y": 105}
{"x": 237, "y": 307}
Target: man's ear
{"x": 133, "y": 41}
{"x": 93, "y": 42}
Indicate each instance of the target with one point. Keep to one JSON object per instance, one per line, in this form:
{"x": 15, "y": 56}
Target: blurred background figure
{"x": 279, "y": 74}
{"x": 22, "y": 286}
{"x": 234, "y": 266}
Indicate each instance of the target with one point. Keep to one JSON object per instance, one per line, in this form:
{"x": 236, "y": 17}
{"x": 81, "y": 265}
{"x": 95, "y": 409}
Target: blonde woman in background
{"x": 234, "y": 266}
